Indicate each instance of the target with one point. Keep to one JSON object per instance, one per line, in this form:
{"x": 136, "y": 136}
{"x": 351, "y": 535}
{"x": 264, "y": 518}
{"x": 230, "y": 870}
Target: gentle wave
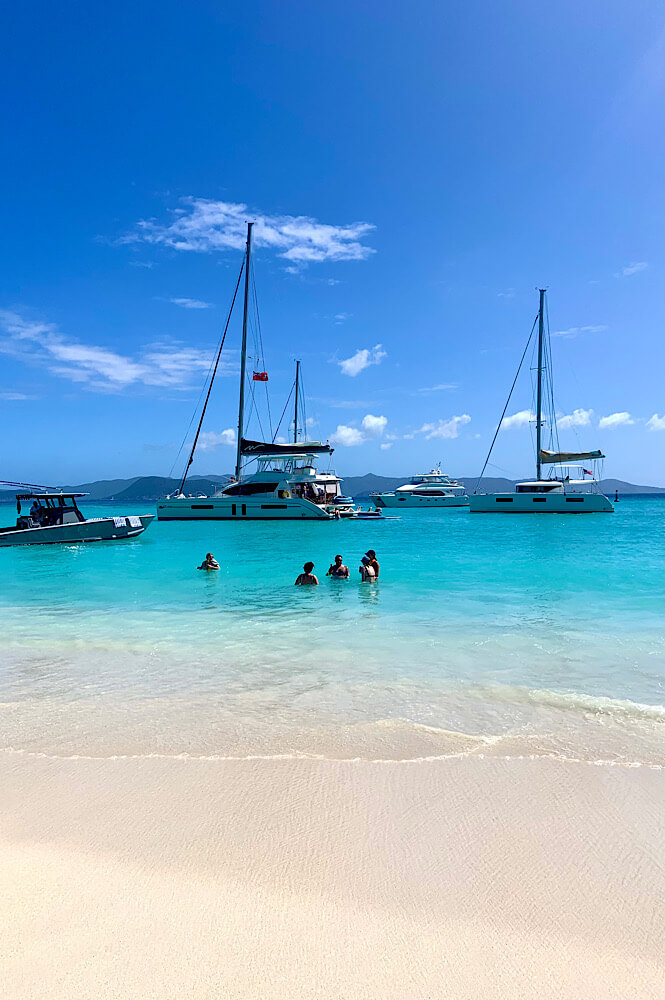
{"x": 324, "y": 758}
{"x": 571, "y": 701}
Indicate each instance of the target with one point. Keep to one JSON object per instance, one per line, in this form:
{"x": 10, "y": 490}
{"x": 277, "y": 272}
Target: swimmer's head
{"x": 308, "y": 567}
{"x": 338, "y": 560}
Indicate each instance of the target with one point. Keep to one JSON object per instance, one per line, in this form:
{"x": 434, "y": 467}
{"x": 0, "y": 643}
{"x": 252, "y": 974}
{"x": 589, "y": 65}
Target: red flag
{"x": 260, "y": 377}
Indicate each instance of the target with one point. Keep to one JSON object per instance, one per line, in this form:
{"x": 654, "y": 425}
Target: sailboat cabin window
{"x": 246, "y": 489}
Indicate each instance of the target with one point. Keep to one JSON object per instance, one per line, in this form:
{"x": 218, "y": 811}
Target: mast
{"x": 539, "y": 391}
{"x": 295, "y": 417}
{"x": 243, "y": 352}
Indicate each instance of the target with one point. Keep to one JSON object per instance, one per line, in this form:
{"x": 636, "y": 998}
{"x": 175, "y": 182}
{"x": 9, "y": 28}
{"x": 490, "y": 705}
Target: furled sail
{"x": 557, "y": 457}
{"x": 264, "y": 449}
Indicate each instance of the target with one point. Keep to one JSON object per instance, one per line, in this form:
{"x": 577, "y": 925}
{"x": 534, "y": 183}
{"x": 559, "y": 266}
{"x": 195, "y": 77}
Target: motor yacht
{"x": 431, "y": 490}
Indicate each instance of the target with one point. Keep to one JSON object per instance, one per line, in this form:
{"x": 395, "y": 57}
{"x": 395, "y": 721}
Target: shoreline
{"x": 457, "y": 877}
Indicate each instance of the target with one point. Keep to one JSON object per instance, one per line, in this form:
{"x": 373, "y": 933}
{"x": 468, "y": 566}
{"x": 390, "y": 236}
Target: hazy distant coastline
{"x": 360, "y": 487}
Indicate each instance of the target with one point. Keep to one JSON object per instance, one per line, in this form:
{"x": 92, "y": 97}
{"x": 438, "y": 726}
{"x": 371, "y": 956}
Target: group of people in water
{"x": 368, "y": 569}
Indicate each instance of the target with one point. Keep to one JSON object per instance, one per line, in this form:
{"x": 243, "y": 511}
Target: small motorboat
{"x": 55, "y": 517}
{"x": 374, "y": 515}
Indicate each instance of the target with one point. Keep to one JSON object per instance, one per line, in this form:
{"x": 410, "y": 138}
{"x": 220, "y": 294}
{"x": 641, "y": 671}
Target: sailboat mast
{"x": 243, "y": 351}
{"x": 295, "y": 416}
{"x": 539, "y": 391}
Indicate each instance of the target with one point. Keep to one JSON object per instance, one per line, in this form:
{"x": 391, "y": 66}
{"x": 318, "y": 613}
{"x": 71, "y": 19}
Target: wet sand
{"x": 466, "y": 877}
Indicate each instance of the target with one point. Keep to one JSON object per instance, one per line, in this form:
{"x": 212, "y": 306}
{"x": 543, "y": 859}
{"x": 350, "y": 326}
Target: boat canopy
{"x": 49, "y": 496}
{"x": 556, "y": 457}
{"x": 268, "y": 449}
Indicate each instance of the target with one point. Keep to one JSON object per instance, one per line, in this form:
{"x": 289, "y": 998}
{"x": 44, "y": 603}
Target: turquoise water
{"x": 538, "y": 632}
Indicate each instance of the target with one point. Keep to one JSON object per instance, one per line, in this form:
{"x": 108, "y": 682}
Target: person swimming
{"x": 209, "y": 562}
{"x": 338, "y": 569}
{"x": 307, "y": 578}
{"x": 366, "y": 570}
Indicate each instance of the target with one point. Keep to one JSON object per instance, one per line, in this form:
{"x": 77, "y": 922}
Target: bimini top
{"x": 49, "y": 496}
{"x": 268, "y": 449}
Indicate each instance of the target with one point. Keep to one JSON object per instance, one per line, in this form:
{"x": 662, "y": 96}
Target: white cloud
{"x": 374, "y": 426}
{"x": 15, "y": 396}
{"x": 621, "y": 419}
{"x": 520, "y": 419}
{"x": 443, "y": 387}
{"x": 656, "y": 423}
{"x": 362, "y": 359}
{"x": 209, "y": 439}
{"x": 342, "y": 404}
{"x": 191, "y": 304}
{"x": 204, "y": 225}
{"x": 348, "y": 437}
{"x": 342, "y": 317}
{"x": 634, "y": 268}
{"x": 445, "y": 428}
{"x": 100, "y": 368}
{"x": 508, "y": 294}
{"x": 578, "y": 418}
{"x": 386, "y": 445}
{"x": 575, "y": 331}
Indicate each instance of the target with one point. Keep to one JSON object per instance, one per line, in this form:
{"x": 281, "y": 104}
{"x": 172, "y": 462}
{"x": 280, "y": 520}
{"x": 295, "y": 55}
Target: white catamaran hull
{"x": 413, "y": 500}
{"x": 97, "y": 529}
{"x": 528, "y": 503}
{"x": 241, "y": 508}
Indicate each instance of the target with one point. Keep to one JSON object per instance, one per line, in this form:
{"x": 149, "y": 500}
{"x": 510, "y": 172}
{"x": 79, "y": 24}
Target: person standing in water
{"x": 307, "y": 578}
{"x": 371, "y": 555}
{"x": 338, "y": 569}
{"x": 209, "y": 563}
{"x": 366, "y": 570}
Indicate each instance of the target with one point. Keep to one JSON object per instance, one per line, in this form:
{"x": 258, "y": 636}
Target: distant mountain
{"x": 102, "y": 488}
{"x": 154, "y": 487}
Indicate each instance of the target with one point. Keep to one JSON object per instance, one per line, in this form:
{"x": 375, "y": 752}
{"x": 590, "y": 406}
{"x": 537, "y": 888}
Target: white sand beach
{"x": 289, "y": 878}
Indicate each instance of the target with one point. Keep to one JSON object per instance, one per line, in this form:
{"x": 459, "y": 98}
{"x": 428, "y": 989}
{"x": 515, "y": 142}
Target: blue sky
{"x": 416, "y": 172}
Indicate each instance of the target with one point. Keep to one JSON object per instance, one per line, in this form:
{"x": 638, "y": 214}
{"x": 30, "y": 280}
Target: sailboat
{"x": 285, "y": 484}
{"x": 559, "y": 494}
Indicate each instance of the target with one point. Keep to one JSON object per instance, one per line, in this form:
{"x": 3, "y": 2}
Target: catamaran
{"x": 559, "y": 494}
{"x": 434, "y": 489}
{"x": 285, "y": 484}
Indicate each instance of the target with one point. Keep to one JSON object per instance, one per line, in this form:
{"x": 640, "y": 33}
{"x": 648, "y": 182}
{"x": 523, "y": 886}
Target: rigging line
{"x": 303, "y": 407}
{"x": 498, "y": 426}
{"x": 254, "y": 405}
{"x": 260, "y": 344}
{"x": 212, "y": 379}
{"x": 193, "y": 416}
{"x": 283, "y": 412}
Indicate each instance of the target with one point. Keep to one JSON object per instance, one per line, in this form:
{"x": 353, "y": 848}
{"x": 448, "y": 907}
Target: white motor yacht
{"x": 434, "y": 489}
{"x": 560, "y": 494}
